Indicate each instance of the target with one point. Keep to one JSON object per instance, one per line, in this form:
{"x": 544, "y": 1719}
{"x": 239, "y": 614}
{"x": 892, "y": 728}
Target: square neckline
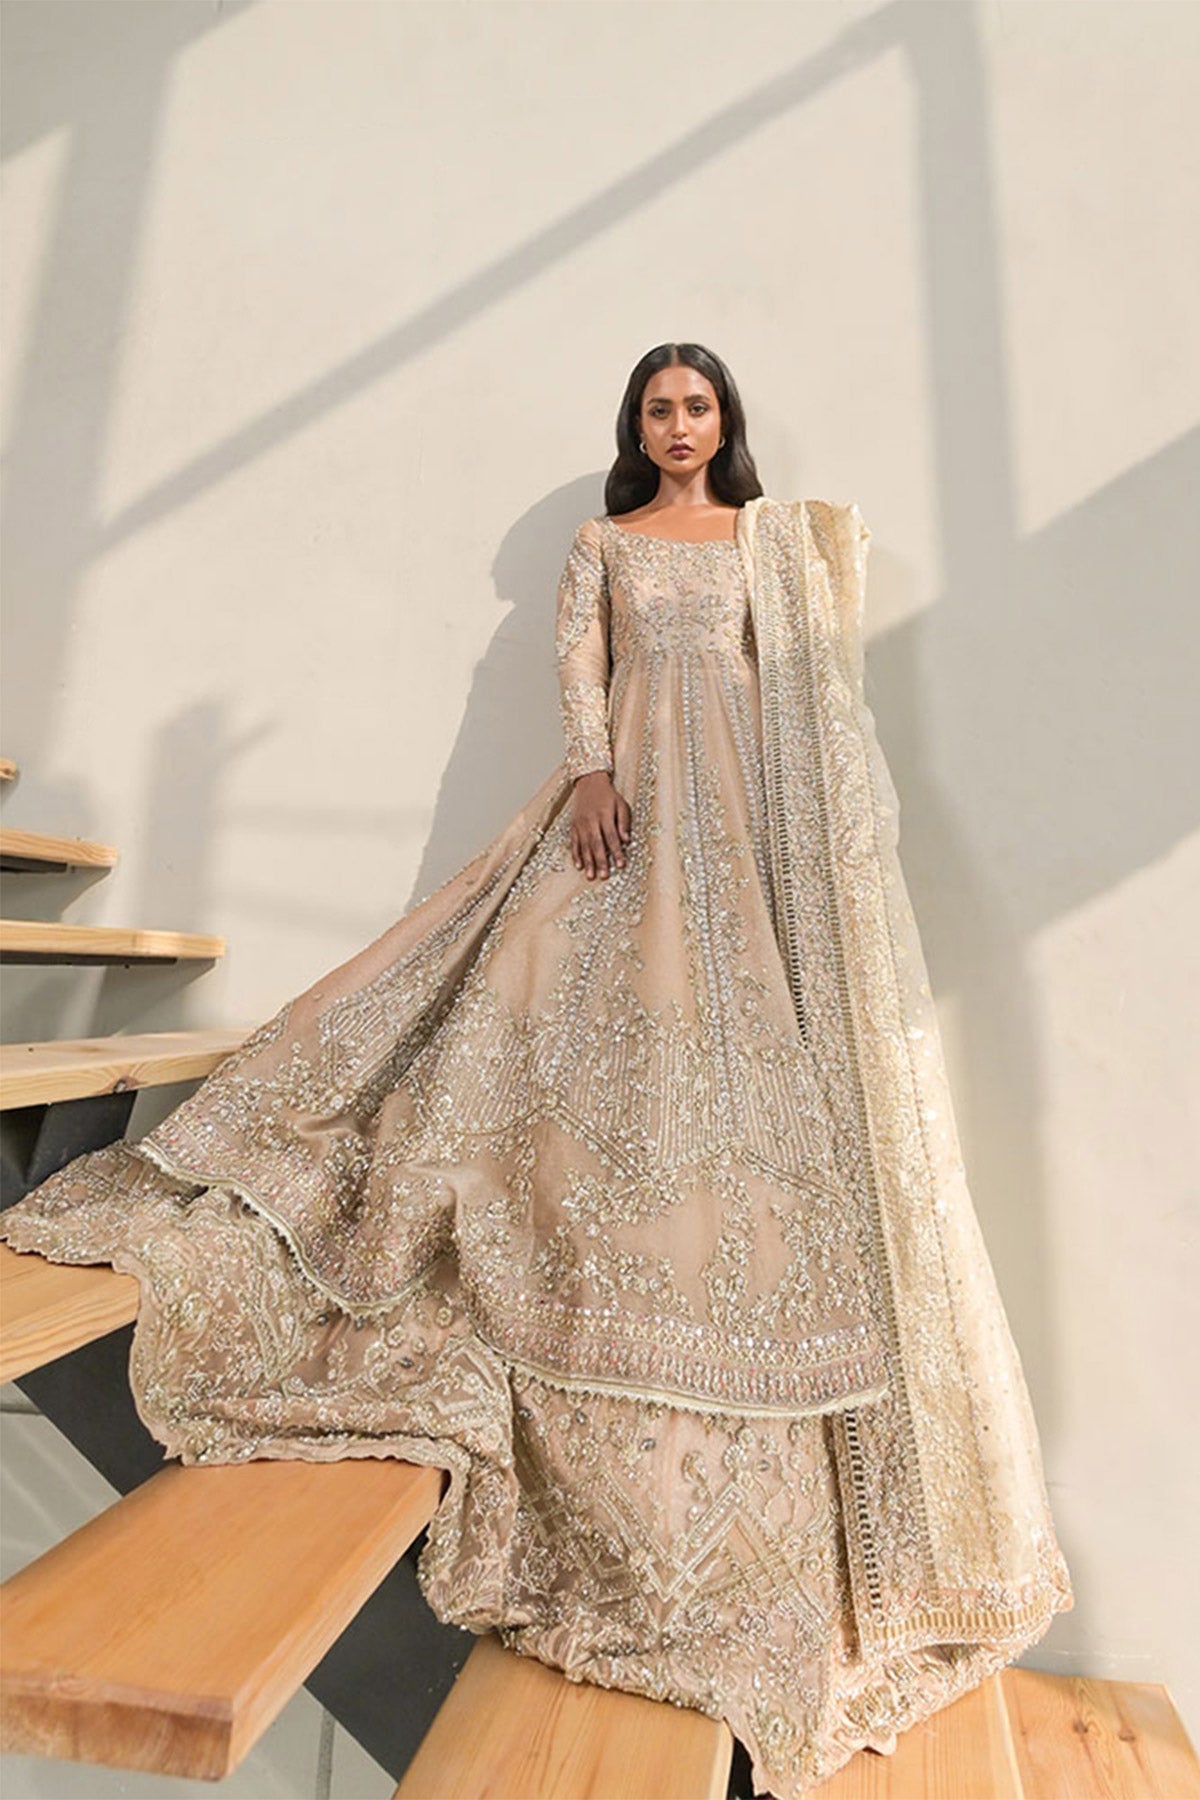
{"x": 656, "y": 537}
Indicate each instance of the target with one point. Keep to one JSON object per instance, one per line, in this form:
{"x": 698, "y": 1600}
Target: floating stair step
{"x": 512, "y": 1728}
{"x": 1026, "y": 1735}
{"x": 35, "y": 1074}
{"x": 1098, "y": 1740}
{"x": 38, "y": 852}
{"x": 35, "y": 940}
{"x": 964, "y": 1752}
{"x": 48, "y": 1309}
{"x": 171, "y": 1630}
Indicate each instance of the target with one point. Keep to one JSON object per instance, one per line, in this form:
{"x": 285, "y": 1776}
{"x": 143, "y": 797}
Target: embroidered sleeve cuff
{"x": 585, "y": 727}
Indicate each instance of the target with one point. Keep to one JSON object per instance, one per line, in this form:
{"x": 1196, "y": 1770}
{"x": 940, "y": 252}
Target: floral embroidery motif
{"x": 556, "y": 1186}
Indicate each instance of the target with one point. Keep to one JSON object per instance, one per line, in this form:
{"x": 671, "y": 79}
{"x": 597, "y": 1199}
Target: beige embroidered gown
{"x": 542, "y": 1195}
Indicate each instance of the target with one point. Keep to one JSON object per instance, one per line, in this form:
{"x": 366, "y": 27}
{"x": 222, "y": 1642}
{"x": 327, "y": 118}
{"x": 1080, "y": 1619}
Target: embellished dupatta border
{"x": 948, "y": 1528}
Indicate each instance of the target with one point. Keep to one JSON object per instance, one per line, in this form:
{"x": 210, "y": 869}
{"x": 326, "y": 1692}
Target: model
{"x": 619, "y": 1177}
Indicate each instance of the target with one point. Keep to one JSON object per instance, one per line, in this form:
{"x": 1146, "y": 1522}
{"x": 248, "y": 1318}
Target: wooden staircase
{"x": 48, "y": 1309}
{"x": 515, "y": 1729}
{"x": 105, "y": 1602}
{"x": 168, "y": 1633}
{"x": 73, "y": 1068}
{"x": 1020, "y": 1735}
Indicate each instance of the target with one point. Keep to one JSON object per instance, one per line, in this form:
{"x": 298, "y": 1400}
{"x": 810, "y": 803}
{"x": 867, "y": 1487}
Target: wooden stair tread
{"x": 8, "y": 768}
{"x": 33, "y": 1074}
{"x": 168, "y": 1633}
{"x": 122, "y": 942}
{"x": 41, "y": 846}
{"x": 964, "y": 1752}
{"x": 1098, "y": 1740}
{"x": 515, "y": 1729}
{"x": 1029, "y": 1735}
{"x": 48, "y": 1309}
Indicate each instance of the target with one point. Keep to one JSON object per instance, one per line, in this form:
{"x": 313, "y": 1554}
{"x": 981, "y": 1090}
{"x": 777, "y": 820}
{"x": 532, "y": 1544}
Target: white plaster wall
{"x": 316, "y": 319}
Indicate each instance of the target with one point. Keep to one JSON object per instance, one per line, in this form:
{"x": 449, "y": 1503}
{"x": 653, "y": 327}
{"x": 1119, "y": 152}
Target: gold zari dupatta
{"x": 949, "y": 1532}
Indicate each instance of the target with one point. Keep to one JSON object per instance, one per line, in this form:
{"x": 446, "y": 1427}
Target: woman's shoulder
{"x": 587, "y": 541}
{"x": 589, "y": 533}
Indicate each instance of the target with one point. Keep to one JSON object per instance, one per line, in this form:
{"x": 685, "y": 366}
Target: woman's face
{"x": 679, "y": 408}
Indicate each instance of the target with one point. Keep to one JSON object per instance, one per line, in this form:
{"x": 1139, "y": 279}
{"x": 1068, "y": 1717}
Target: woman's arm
{"x": 601, "y": 818}
{"x": 581, "y": 642}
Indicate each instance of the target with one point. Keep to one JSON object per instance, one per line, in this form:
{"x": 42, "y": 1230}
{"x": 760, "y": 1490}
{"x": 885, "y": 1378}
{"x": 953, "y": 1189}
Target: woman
{"x": 619, "y": 1177}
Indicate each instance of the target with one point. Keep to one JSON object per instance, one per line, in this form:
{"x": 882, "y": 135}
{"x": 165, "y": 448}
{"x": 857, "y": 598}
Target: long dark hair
{"x": 633, "y": 479}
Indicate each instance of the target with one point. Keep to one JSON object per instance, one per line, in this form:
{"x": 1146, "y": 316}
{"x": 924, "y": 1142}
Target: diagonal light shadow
{"x": 516, "y": 268}
{"x": 978, "y": 931}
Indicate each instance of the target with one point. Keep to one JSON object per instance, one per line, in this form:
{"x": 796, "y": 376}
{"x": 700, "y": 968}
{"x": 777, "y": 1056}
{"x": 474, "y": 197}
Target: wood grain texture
{"x": 1098, "y": 1740}
{"x": 119, "y": 942}
{"x": 42, "y": 846}
{"x": 48, "y": 1309}
{"x": 33, "y": 1074}
{"x": 512, "y": 1728}
{"x": 170, "y": 1631}
{"x": 964, "y": 1752}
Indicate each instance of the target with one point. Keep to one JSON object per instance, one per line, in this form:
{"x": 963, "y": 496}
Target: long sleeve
{"x": 582, "y": 648}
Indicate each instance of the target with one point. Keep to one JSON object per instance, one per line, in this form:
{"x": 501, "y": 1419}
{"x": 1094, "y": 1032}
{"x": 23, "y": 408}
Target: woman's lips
{"x": 681, "y": 450}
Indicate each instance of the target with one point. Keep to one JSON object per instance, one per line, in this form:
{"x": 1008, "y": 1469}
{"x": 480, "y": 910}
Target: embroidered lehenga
{"x": 635, "y": 1203}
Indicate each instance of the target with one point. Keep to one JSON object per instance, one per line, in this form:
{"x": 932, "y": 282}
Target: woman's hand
{"x": 600, "y": 824}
